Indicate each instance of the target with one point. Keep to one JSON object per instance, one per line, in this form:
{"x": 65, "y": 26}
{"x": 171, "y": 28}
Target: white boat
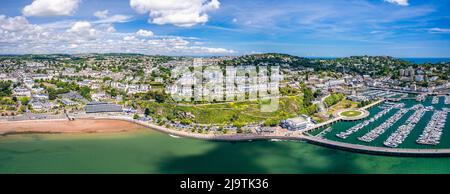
{"x": 174, "y": 136}
{"x": 275, "y": 140}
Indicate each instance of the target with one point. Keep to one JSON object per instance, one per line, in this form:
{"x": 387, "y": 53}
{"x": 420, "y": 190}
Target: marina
{"x": 373, "y": 134}
{"x": 435, "y": 100}
{"x": 356, "y": 128}
{"x": 398, "y": 129}
{"x": 433, "y": 131}
{"x": 403, "y": 131}
{"x": 421, "y": 97}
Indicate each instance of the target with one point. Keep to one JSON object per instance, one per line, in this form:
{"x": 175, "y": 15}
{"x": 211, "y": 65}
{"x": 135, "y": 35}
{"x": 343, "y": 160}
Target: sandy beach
{"x": 64, "y": 126}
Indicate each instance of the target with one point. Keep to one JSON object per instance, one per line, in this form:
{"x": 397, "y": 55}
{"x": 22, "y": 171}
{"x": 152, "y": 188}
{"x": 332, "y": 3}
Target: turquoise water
{"x": 412, "y": 60}
{"x": 147, "y": 151}
{"x": 153, "y": 152}
{"x": 410, "y": 141}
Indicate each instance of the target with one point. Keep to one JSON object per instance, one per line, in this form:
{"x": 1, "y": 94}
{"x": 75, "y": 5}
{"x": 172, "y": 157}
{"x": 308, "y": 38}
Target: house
{"x": 68, "y": 102}
{"x": 99, "y": 96}
{"x": 21, "y": 91}
{"x": 119, "y": 86}
{"x": 71, "y": 95}
{"x": 41, "y": 97}
{"x": 41, "y": 105}
{"x": 419, "y": 78}
{"x": 42, "y": 77}
{"x": 28, "y": 82}
{"x": 141, "y": 88}
{"x": 37, "y": 105}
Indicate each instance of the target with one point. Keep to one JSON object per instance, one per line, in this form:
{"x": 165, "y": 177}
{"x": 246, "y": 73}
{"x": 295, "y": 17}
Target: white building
{"x": 41, "y": 97}
{"x": 21, "y": 91}
{"x": 297, "y": 123}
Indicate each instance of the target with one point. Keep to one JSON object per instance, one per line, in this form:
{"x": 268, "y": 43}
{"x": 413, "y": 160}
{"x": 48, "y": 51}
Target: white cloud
{"x": 177, "y": 41}
{"x": 51, "y": 8}
{"x": 213, "y": 50}
{"x": 398, "y": 2}
{"x": 101, "y": 14}
{"x": 182, "y": 13}
{"x": 18, "y": 36}
{"x": 104, "y": 17}
{"x": 129, "y": 38}
{"x": 84, "y": 29}
{"x": 110, "y": 29}
{"x": 145, "y": 33}
{"x": 14, "y": 24}
{"x": 80, "y": 27}
{"x": 439, "y": 30}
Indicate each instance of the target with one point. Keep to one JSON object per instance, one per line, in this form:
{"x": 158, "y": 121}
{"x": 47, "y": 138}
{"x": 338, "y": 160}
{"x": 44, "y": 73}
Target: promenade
{"x": 377, "y": 150}
{"x": 296, "y": 136}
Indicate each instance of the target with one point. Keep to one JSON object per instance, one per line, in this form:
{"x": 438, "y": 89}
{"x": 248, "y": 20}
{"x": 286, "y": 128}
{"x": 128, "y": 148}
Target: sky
{"x": 309, "y": 28}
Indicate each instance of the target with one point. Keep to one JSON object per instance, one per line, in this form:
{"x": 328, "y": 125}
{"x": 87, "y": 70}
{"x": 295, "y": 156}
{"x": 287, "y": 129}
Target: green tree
{"x": 24, "y": 100}
{"x": 317, "y": 93}
{"x": 238, "y": 124}
{"x": 271, "y": 122}
{"x": 308, "y": 96}
{"x": 186, "y": 122}
{"x": 334, "y": 99}
{"x": 146, "y": 112}
{"x": 85, "y": 92}
{"x": 5, "y": 88}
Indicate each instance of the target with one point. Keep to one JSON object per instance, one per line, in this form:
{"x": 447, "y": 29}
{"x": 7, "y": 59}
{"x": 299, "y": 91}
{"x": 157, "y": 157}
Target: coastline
{"x": 59, "y": 126}
{"x": 123, "y": 124}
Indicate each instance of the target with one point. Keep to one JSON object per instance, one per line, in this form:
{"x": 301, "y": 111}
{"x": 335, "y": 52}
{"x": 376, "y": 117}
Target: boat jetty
{"x": 387, "y": 108}
{"x": 435, "y": 100}
{"x": 403, "y": 131}
{"x": 324, "y": 132}
{"x": 447, "y": 100}
{"x": 433, "y": 131}
{"x": 373, "y": 134}
{"x": 421, "y": 97}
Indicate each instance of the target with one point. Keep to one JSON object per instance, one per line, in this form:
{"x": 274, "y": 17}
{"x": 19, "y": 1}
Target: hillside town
{"x": 145, "y": 88}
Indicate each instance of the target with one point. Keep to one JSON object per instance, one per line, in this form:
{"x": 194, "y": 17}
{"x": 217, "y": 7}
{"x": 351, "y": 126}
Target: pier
{"x": 320, "y": 125}
{"x": 373, "y": 134}
{"x": 373, "y": 104}
{"x": 378, "y": 150}
{"x": 432, "y": 133}
{"x": 394, "y": 90}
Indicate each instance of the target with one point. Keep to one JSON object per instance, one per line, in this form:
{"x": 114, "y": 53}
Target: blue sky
{"x": 326, "y": 28}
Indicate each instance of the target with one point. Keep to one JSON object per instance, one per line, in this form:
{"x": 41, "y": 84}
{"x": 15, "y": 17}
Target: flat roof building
{"x": 98, "y": 107}
{"x": 294, "y": 124}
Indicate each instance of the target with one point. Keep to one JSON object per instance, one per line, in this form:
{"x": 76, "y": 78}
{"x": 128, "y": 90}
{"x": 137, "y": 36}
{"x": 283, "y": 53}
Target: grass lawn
{"x": 344, "y": 104}
{"x": 351, "y": 113}
{"x": 246, "y": 112}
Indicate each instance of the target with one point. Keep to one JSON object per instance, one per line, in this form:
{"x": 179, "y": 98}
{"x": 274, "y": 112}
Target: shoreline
{"x": 106, "y": 123}
{"x": 63, "y": 126}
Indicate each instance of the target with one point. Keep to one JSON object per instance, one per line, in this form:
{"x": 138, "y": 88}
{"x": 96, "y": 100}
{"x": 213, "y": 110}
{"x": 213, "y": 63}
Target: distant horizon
{"x": 237, "y": 55}
{"x": 319, "y": 28}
